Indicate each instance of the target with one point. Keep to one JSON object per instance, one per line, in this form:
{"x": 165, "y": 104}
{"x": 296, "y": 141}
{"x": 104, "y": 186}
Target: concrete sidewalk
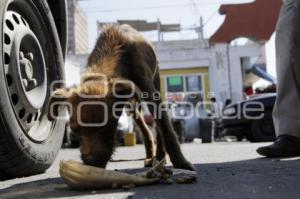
{"x": 225, "y": 170}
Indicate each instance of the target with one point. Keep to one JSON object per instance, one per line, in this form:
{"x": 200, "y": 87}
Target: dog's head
{"x": 94, "y": 108}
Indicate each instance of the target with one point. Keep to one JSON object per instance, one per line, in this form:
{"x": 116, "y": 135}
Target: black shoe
{"x": 284, "y": 146}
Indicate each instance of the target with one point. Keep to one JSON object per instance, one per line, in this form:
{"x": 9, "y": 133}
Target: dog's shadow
{"x": 46, "y": 188}
{"x": 53, "y": 188}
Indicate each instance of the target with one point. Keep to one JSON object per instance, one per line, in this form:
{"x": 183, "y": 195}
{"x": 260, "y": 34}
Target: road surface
{"x": 225, "y": 170}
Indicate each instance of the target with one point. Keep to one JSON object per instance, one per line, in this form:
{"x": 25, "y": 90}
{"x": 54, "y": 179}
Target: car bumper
{"x": 234, "y": 127}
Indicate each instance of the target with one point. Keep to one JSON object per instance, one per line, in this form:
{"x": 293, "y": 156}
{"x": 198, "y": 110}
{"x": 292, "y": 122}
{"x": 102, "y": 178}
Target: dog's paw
{"x": 148, "y": 162}
{"x": 185, "y": 165}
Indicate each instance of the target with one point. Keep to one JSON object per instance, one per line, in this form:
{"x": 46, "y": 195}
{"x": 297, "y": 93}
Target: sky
{"x": 185, "y": 12}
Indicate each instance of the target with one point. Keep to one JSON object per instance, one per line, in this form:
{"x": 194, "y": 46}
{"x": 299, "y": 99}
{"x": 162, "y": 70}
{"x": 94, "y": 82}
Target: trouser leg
{"x": 287, "y": 107}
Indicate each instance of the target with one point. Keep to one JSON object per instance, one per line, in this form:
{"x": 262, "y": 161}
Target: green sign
{"x": 175, "y": 81}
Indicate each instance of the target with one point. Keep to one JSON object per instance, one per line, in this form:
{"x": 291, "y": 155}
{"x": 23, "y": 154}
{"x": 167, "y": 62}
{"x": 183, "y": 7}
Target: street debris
{"x": 84, "y": 177}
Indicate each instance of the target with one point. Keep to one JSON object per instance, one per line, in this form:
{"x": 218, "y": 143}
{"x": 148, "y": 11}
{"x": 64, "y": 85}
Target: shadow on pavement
{"x": 257, "y": 178}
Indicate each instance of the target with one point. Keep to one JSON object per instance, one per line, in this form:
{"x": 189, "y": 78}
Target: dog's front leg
{"x": 147, "y": 135}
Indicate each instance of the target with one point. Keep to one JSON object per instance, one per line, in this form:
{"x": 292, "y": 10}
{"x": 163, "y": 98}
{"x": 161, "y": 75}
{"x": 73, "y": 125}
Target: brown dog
{"x": 121, "y": 53}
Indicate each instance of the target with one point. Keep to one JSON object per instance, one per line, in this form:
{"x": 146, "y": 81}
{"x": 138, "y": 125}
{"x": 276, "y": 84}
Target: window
{"x": 182, "y": 87}
{"x": 175, "y": 84}
{"x": 193, "y": 83}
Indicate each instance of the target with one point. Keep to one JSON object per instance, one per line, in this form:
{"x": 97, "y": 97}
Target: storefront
{"x": 178, "y": 84}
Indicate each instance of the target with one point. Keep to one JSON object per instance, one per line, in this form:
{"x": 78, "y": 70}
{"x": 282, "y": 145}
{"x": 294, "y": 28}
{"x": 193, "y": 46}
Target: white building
{"x": 220, "y": 68}
{"x": 77, "y": 29}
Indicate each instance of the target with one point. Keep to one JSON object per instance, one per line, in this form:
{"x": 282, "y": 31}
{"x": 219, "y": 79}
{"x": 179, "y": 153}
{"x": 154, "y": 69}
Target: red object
{"x": 149, "y": 119}
{"x": 255, "y": 20}
{"x": 249, "y": 91}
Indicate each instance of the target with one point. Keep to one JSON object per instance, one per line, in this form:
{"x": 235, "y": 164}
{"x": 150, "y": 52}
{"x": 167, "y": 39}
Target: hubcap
{"x": 25, "y": 70}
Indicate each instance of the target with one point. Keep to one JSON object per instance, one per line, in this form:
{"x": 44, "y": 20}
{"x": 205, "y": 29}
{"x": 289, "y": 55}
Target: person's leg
{"x": 286, "y": 112}
{"x": 287, "y": 107}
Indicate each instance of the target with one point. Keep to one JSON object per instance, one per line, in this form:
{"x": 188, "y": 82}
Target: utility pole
{"x": 200, "y": 30}
{"x": 158, "y": 30}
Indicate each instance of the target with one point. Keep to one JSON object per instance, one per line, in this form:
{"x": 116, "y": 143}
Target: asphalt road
{"x": 225, "y": 170}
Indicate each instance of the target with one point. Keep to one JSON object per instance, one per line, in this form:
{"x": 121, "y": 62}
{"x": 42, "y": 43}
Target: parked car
{"x": 33, "y": 35}
{"x": 251, "y": 119}
{"x": 188, "y": 125}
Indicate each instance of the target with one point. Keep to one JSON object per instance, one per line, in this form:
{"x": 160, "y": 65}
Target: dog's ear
{"x": 58, "y": 98}
{"x": 125, "y": 89}
{"x": 95, "y": 77}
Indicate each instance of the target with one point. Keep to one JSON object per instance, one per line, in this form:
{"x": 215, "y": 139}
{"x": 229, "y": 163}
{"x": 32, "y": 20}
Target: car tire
{"x": 31, "y": 60}
{"x": 262, "y": 130}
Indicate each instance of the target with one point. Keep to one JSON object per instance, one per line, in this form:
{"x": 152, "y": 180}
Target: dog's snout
{"x": 93, "y": 161}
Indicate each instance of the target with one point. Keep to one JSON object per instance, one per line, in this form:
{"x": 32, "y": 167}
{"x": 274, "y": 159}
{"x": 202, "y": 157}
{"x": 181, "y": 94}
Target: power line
{"x": 157, "y": 7}
{"x": 210, "y": 18}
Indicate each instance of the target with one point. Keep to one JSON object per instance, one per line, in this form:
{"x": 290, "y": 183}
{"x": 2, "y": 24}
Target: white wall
{"x": 74, "y": 66}
{"x": 223, "y": 61}
{"x": 270, "y": 56}
{"x": 236, "y": 53}
{"x": 179, "y": 54}
{"x": 219, "y": 72}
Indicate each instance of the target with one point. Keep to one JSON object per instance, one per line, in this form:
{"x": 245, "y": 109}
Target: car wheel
{"x": 263, "y": 130}
{"x": 31, "y": 60}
